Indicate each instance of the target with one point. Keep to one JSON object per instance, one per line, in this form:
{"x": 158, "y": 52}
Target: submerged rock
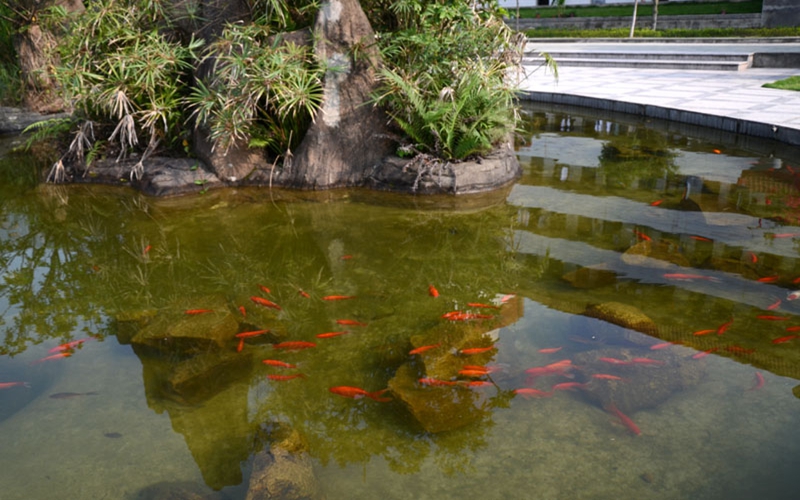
{"x": 655, "y": 254}
{"x": 284, "y": 472}
{"x": 628, "y": 317}
{"x": 204, "y": 375}
{"x": 189, "y": 333}
{"x": 176, "y": 490}
{"x": 591, "y": 277}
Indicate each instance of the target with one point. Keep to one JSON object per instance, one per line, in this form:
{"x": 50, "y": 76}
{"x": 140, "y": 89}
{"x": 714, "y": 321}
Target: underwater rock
{"x": 642, "y": 384}
{"x": 204, "y": 375}
{"x": 654, "y": 254}
{"x": 128, "y": 323}
{"x": 284, "y": 472}
{"x": 591, "y": 277}
{"x": 176, "y": 490}
{"x": 189, "y": 333}
{"x": 626, "y": 316}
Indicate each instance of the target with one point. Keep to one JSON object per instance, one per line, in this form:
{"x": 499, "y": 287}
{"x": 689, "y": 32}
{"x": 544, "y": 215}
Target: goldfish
{"x": 557, "y": 368}
{"x": 69, "y": 346}
{"x": 432, "y": 291}
{"x": 338, "y": 297}
{"x": 8, "y": 385}
{"x": 329, "y": 335}
{"x": 527, "y": 392}
{"x": 699, "y": 238}
{"x": 688, "y": 277}
{"x": 626, "y": 421}
{"x": 254, "y": 333}
{"x": 464, "y": 316}
{"x": 769, "y": 317}
{"x": 793, "y": 328}
{"x": 475, "y": 350}
{"x": 484, "y": 369}
{"x": 642, "y": 236}
{"x": 614, "y": 361}
{"x": 420, "y": 350}
{"x": 506, "y": 298}
{"x": 243, "y": 311}
{"x": 357, "y": 393}
{"x": 785, "y": 235}
{"x": 703, "y": 332}
{"x": 785, "y": 339}
{"x": 54, "y": 356}
{"x": 768, "y": 279}
{"x": 240, "y": 346}
{"x": 739, "y": 349}
{"x": 656, "y": 203}
{"x": 647, "y": 361}
{"x": 606, "y": 376}
{"x": 472, "y": 373}
{"x": 550, "y": 350}
{"x": 759, "y": 382}
{"x": 294, "y": 345}
{"x": 774, "y": 305}
{"x": 345, "y": 257}
{"x": 264, "y": 289}
{"x": 477, "y": 383}
{"x": 435, "y": 382}
{"x": 193, "y": 312}
{"x": 703, "y": 354}
{"x": 753, "y": 257}
{"x": 264, "y": 302}
{"x": 483, "y": 306}
{"x": 716, "y": 151}
{"x": 303, "y": 294}
{"x": 721, "y": 329}
{"x": 146, "y": 249}
{"x": 277, "y": 363}
{"x": 283, "y": 378}
{"x": 350, "y": 322}
{"x": 663, "y": 345}
{"x": 567, "y": 386}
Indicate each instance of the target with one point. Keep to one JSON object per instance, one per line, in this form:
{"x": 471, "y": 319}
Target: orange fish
{"x": 785, "y": 235}
{"x": 550, "y": 350}
{"x": 345, "y": 257}
{"x": 329, "y": 335}
{"x": 193, "y": 312}
{"x": 785, "y": 339}
{"x": 432, "y": 291}
{"x": 472, "y": 373}
{"x": 703, "y": 354}
{"x": 240, "y": 346}
{"x": 626, "y": 421}
{"x": 506, "y": 298}
{"x": 69, "y": 346}
{"x": 350, "y": 322}
{"x": 703, "y": 332}
{"x": 567, "y": 386}
{"x": 614, "y": 361}
{"x": 464, "y": 316}
{"x": 606, "y": 376}
{"x": 266, "y": 303}
{"x": 793, "y": 328}
{"x": 769, "y": 317}
{"x": 254, "y": 333}
{"x": 303, "y": 294}
{"x": 294, "y": 345}
{"x": 688, "y": 277}
{"x": 478, "y": 383}
{"x": 642, "y": 236}
{"x": 8, "y": 385}
{"x": 721, "y": 329}
{"x": 279, "y": 364}
{"x": 753, "y": 257}
{"x": 738, "y": 349}
{"x": 774, "y": 305}
{"x": 480, "y": 305}
{"x": 768, "y": 279}
{"x": 54, "y": 356}
{"x": 420, "y": 350}
{"x": 699, "y": 238}
{"x": 435, "y": 382}
{"x": 647, "y": 361}
{"x": 283, "y": 378}
{"x": 264, "y": 289}
{"x": 527, "y": 392}
{"x": 557, "y": 368}
{"x": 146, "y": 249}
{"x": 656, "y": 203}
{"x": 716, "y": 151}
{"x": 357, "y": 393}
{"x": 243, "y": 311}
{"x": 475, "y": 350}
{"x": 759, "y": 382}
{"x": 662, "y": 345}
{"x": 338, "y": 297}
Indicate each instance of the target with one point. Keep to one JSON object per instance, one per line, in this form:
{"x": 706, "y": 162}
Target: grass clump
{"x": 646, "y": 9}
{"x": 791, "y": 83}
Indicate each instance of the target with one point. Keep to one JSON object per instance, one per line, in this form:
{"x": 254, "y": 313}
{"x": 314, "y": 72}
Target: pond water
{"x": 633, "y": 288}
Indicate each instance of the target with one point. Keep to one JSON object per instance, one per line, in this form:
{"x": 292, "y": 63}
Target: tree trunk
{"x": 633, "y": 22}
{"x": 655, "y": 14}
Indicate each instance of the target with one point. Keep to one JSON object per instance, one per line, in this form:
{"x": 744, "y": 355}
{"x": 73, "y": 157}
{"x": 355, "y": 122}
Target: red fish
{"x": 264, "y": 289}
{"x": 330, "y": 335}
{"x": 485, "y": 369}
{"x": 475, "y": 350}
{"x": 266, "y": 303}
{"x": 465, "y": 316}
{"x": 793, "y": 328}
{"x": 550, "y": 350}
{"x": 647, "y": 361}
{"x": 688, "y": 277}
{"x": 614, "y": 361}
{"x": 785, "y": 339}
{"x": 432, "y": 291}
{"x": 69, "y": 346}
{"x": 277, "y": 363}
{"x": 345, "y": 257}
{"x": 769, "y": 317}
{"x": 703, "y": 332}
{"x": 243, "y": 311}
{"x": 527, "y": 392}
{"x": 482, "y": 306}
{"x": 606, "y": 376}
{"x": 338, "y": 297}
{"x": 240, "y": 346}
{"x": 753, "y": 257}
{"x": 716, "y": 151}
{"x": 506, "y": 298}
{"x": 758, "y": 383}
{"x": 774, "y": 305}
{"x": 193, "y": 312}
{"x": 146, "y": 249}
{"x": 254, "y": 333}
{"x": 567, "y": 386}
{"x": 699, "y": 238}
{"x": 738, "y": 349}
{"x": 358, "y": 393}
{"x": 557, "y": 368}
{"x": 662, "y": 345}
{"x": 8, "y": 385}
{"x": 656, "y": 203}
{"x": 303, "y": 294}
{"x": 642, "y": 236}
{"x": 294, "y": 345}
{"x": 283, "y": 378}
{"x": 703, "y": 354}
{"x": 350, "y": 322}
{"x": 53, "y": 357}
{"x": 472, "y": 373}
{"x": 626, "y": 421}
{"x": 785, "y": 235}
{"x": 478, "y": 383}
{"x": 435, "y": 382}
{"x": 768, "y": 279}
{"x": 723, "y": 327}
{"x": 420, "y": 350}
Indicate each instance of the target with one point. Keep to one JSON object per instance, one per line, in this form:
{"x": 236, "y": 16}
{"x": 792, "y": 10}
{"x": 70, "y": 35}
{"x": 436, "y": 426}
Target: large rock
{"x": 284, "y": 472}
{"x": 628, "y": 317}
{"x": 189, "y": 334}
{"x": 349, "y": 135}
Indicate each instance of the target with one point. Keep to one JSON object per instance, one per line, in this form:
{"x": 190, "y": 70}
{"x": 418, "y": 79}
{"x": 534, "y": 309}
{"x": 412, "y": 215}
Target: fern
{"x": 45, "y": 130}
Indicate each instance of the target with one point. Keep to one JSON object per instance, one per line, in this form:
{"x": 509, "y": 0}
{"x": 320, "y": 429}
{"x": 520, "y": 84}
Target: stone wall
{"x": 646, "y": 22}
{"x": 776, "y": 13}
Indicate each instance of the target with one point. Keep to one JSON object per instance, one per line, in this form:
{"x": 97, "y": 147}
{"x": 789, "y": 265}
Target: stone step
{"x": 641, "y": 55}
{"x": 685, "y": 64}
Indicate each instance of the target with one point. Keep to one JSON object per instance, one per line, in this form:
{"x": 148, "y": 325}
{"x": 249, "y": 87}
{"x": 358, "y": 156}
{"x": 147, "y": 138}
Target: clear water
{"x": 602, "y": 195}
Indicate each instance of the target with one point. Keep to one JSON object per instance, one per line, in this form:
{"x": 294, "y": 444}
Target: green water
{"x": 607, "y": 198}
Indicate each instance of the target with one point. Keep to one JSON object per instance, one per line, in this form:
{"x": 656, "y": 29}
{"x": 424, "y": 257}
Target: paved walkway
{"x": 730, "y": 100}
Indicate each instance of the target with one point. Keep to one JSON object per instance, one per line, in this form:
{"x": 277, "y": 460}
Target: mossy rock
{"x": 128, "y": 323}
{"x": 590, "y": 277}
{"x": 197, "y": 379}
{"x": 284, "y": 471}
{"x": 189, "y": 334}
{"x": 654, "y": 254}
{"x": 626, "y": 316}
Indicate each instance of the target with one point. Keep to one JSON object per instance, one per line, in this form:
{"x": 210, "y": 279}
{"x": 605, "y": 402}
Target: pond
{"x": 617, "y": 324}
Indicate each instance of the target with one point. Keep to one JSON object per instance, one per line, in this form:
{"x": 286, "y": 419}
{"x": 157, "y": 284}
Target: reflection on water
{"x": 615, "y": 326}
